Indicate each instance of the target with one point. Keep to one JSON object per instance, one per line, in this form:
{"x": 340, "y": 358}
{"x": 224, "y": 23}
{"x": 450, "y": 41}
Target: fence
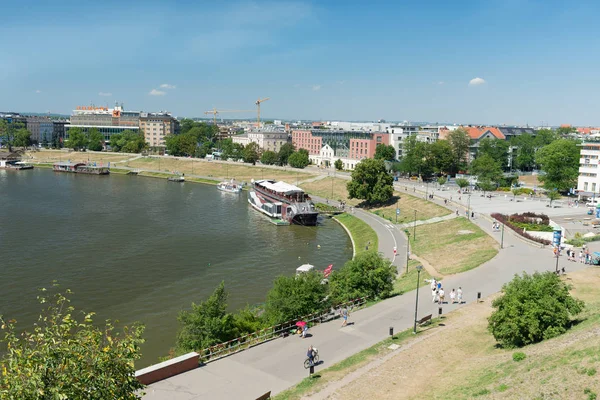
{"x": 281, "y": 330}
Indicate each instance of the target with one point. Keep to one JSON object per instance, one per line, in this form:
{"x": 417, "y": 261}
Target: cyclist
{"x": 311, "y": 355}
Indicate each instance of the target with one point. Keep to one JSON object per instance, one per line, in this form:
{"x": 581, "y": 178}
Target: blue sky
{"x": 335, "y": 60}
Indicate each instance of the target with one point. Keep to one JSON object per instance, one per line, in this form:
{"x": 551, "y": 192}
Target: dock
{"x": 279, "y": 222}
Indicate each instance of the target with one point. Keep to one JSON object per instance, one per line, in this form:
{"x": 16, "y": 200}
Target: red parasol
{"x": 300, "y": 324}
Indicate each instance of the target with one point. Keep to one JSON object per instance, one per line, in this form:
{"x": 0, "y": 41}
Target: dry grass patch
{"x": 450, "y": 252}
{"x": 530, "y": 180}
{"x": 220, "y": 170}
{"x": 326, "y": 186}
{"x": 407, "y": 205}
{"x": 52, "y": 156}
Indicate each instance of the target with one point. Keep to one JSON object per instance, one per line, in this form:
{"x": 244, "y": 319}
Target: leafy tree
{"x": 22, "y": 138}
{"x": 207, "y": 323}
{"x": 544, "y": 137}
{"x": 286, "y": 150}
{"x": 565, "y": 130}
{"x": 462, "y": 183}
{"x": 459, "y": 141}
{"x": 251, "y": 153}
{"x": 371, "y": 182}
{"x": 338, "y": 164}
{"x": 368, "y": 274}
{"x": 4, "y": 137}
{"x": 486, "y": 168}
{"x": 486, "y": 185}
{"x": 299, "y": 159}
{"x": 133, "y": 142}
{"x": 441, "y": 155}
{"x": 442, "y": 180}
{"x": 416, "y": 158}
{"x": 95, "y": 140}
{"x": 552, "y": 195}
{"x": 525, "y": 154}
{"x": 238, "y": 151}
{"x": 385, "y": 152}
{"x": 227, "y": 149}
{"x": 560, "y": 162}
{"x": 77, "y": 139}
{"x": 531, "y": 309}
{"x": 269, "y": 157}
{"x": 495, "y": 148}
{"x": 292, "y": 297}
{"x": 66, "y": 357}
{"x": 172, "y": 144}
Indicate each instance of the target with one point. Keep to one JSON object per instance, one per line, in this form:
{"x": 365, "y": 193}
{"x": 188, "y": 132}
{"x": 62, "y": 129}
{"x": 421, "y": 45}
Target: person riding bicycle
{"x": 311, "y": 354}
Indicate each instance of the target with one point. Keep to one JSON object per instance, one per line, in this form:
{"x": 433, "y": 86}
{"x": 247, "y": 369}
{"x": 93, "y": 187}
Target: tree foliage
{"x": 560, "y": 162}
{"x": 524, "y": 157}
{"x": 295, "y": 296}
{"x": 22, "y": 138}
{"x": 462, "y": 183}
{"x": 77, "y": 139}
{"x": 366, "y": 275}
{"x": 299, "y": 159}
{"x": 459, "y": 141}
{"x": 95, "y": 140}
{"x": 531, "y": 309}
{"x": 552, "y": 195}
{"x": 496, "y": 149}
{"x": 338, "y": 164}
{"x": 371, "y": 182}
{"x": 385, "y": 152}
{"x": 441, "y": 156}
{"x": 269, "y": 157}
{"x": 442, "y": 180}
{"x": 66, "y": 357}
{"x": 128, "y": 141}
{"x": 251, "y": 153}
{"x": 486, "y": 168}
{"x": 285, "y": 151}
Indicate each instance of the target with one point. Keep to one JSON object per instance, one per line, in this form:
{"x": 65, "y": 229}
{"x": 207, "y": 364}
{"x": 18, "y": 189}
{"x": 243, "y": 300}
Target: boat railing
{"x": 241, "y": 343}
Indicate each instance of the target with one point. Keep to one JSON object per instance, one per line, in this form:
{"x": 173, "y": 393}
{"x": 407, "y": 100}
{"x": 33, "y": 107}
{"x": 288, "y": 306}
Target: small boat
{"x": 230, "y": 187}
{"x": 179, "y": 178}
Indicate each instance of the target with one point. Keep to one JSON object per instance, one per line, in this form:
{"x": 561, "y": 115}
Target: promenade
{"x": 277, "y": 365}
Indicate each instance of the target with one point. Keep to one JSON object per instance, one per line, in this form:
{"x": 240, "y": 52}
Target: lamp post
{"x": 407, "y": 248}
{"x": 419, "y": 268}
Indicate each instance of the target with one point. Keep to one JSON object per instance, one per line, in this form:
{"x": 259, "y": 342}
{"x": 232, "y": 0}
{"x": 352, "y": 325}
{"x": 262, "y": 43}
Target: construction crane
{"x": 258, "y": 110}
{"x": 214, "y": 112}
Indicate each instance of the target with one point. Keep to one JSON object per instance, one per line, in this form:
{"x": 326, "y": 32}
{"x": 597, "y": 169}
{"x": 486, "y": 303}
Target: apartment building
{"x": 588, "y": 182}
{"x": 41, "y": 129}
{"x": 266, "y": 139}
{"x": 156, "y": 126}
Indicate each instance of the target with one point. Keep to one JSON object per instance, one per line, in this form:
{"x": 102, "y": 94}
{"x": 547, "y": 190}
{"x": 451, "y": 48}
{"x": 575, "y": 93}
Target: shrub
{"x": 506, "y": 221}
{"x": 503, "y": 189}
{"x": 531, "y": 309}
{"x": 519, "y": 356}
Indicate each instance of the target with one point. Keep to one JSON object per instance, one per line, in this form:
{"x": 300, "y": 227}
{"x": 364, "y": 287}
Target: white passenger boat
{"x": 229, "y": 186}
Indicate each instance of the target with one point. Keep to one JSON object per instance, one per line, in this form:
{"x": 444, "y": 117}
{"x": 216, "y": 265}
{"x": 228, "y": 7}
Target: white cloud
{"x": 105, "y": 94}
{"x": 316, "y": 88}
{"x": 155, "y": 92}
{"x": 167, "y": 86}
{"x": 38, "y": 91}
{"x": 476, "y": 81}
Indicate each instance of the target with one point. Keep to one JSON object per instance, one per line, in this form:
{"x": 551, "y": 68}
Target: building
{"x": 11, "y": 118}
{"x": 41, "y": 129}
{"x": 271, "y": 139}
{"x": 156, "y": 126}
{"x": 58, "y": 132}
{"x": 399, "y": 134}
{"x": 588, "y": 182}
{"x": 107, "y": 121}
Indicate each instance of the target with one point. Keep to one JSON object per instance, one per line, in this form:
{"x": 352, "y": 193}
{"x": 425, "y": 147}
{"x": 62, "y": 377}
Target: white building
{"x": 266, "y": 140}
{"x": 588, "y": 182}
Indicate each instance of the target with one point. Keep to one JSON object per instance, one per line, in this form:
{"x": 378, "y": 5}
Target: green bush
{"x": 503, "y": 189}
{"x": 519, "y": 356}
{"x": 531, "y": 309}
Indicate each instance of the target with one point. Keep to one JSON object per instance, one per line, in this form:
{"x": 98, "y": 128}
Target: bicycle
{"x": 307, "y": 363}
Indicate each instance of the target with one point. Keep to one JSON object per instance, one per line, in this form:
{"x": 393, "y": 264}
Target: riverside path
{"x": 277, "y": 365}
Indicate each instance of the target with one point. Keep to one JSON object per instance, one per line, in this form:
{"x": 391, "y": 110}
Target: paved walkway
{"x": 277, "y": 365}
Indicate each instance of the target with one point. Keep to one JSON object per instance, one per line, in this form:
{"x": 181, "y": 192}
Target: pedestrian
{"x": 439, "y": 285}
{"x": 569, "y": 254}
{"x": 453, "y": 296}
{"x": 304, "y": 330}
{"x": 472, "y": 214}
{"x": 459, "y": 295}
{"x": 581, "y": 256}
{"x": 445, "y": 201}
{"x": 433, "y": 294}
{"x": 344, "y": 312}
{"x": 432, "y": 282}
{"x": 441, "y": 294}
{"x": 457, "y": 212}
{"x": 310, "y": 354}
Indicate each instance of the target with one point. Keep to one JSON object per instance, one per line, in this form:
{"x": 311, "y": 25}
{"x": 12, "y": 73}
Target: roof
{"x": 67, "y": 164}
{"x": 476, "y": 132}
{"x": 280, "y": 187}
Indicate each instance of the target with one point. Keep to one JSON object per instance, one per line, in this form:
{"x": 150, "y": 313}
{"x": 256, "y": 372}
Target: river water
{"x": 142, "y": 249}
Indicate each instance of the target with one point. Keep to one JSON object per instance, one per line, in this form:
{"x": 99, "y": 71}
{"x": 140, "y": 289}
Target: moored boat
{"x": 229, "y": 186}
{"x": 81, "y": 168}
{"x": 179, "y": 178}
{"x": 280, "y": 200}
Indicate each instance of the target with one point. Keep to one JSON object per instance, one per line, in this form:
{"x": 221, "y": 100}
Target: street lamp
{"x": 419, "y": 268}
{"x": 407, "y": 248}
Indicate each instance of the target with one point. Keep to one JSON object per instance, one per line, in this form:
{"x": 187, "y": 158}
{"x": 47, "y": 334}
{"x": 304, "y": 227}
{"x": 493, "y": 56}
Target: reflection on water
{"x": 141, "y": 249}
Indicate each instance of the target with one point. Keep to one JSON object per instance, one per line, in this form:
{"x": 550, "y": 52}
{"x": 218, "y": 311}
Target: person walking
{"x": 433, "y": 294}
{"x": 453, "y": 296}
{"x": 441, "y": 295}
{"x": 581, "y": 256}
{"x": 344, "y": 312}
{"x": 459, "y": 295}
{"x": 310, "y": 354}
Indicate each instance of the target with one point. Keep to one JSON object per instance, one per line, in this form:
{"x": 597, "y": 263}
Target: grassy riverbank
{"x": 362, "y": 234}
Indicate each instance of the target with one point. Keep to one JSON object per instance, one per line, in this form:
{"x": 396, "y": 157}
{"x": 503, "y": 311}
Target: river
{"x": 142, "y": 249}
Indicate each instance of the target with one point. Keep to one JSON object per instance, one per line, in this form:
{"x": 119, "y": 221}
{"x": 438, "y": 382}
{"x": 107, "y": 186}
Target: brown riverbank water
{"x": 142, "y": 249}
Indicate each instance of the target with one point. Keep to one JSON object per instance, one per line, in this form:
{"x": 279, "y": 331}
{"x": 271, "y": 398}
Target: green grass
{"x": 348, "y": 365}
{"x": 361, "y": 232}
{"x": 407, "y": 205}
{"x": 407, "y": 282}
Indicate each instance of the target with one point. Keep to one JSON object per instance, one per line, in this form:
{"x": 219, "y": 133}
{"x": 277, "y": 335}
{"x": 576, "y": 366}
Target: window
{"x": 585, "y": 186}
{"x": 594, "y": 187}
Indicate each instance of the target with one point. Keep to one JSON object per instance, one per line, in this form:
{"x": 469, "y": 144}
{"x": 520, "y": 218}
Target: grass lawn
{"x": 407, "y": 205}
{"x": 218, "y": 170}
{"x": 51, "y": 156}
{"x": 361, "y": 232}
{"x": 323, "y": 188}
{"x": 407, "y": 282}
{"x": 453, "y": 246}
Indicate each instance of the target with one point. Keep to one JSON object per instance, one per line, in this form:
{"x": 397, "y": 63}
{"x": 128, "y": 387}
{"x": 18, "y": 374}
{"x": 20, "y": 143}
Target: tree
{"x": 187, "y": 145}
{"x": 292, "y": 297}
{"x": 495, "y": 148}
{"x": 207, "y": 323}
{"x": 371, "y": 182}
{"x": 77, "y": 139}
{"x": 66, "y": 357}
{"x": 442, "y": 180}
{"x": 133, "y": 142}
{"x": 459, "y": 141}
{"x": 4, "y": 139}
{"x": 22, "y": 138}
{"x": 552, "y": 195}
{"x": 368, "y": 274}
{"x": 544, "y": 137}
{"x": 338, "y": 164}
{"x": 565, "y": 131}
{"x": 560, "y": 162}
{"x": 532, "y": 308}
{"x": 525, "y": 154}
{"x": 285, "y": 152}
{"x": 462, "y": 183}
{"x": 251, "y": 153}
{"x": 299, "y": 159}
{"x": 486, "y": 185}
{"x": 238, "y": 151}
{"x": 385, "y": 152}
{"x": 95, "y": 140}
{"x": 172, "y": 144}
{"x": 269, "y": 157}
{"x": 441, "y": 156}
{"x": 486, "y": 168}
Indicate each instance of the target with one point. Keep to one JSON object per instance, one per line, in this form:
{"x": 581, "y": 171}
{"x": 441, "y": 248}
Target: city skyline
{"x": 519, "y": 62}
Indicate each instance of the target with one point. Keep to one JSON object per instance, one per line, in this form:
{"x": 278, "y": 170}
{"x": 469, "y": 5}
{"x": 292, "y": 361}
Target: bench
{"x": 425, "y": 319}
{"x": 265, "y": 396}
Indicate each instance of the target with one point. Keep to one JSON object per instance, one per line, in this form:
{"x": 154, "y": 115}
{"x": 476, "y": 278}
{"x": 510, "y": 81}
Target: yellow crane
{"x": 214, "y": 112}
{"x": 258, "y": 110}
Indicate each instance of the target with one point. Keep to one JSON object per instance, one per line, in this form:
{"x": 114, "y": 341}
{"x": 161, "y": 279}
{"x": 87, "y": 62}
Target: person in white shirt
{"x": 433, "y": 295}
{"x": 441, "y": 295}
{"x": 459, "y": 295}
{"x": 453, "y": 296}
